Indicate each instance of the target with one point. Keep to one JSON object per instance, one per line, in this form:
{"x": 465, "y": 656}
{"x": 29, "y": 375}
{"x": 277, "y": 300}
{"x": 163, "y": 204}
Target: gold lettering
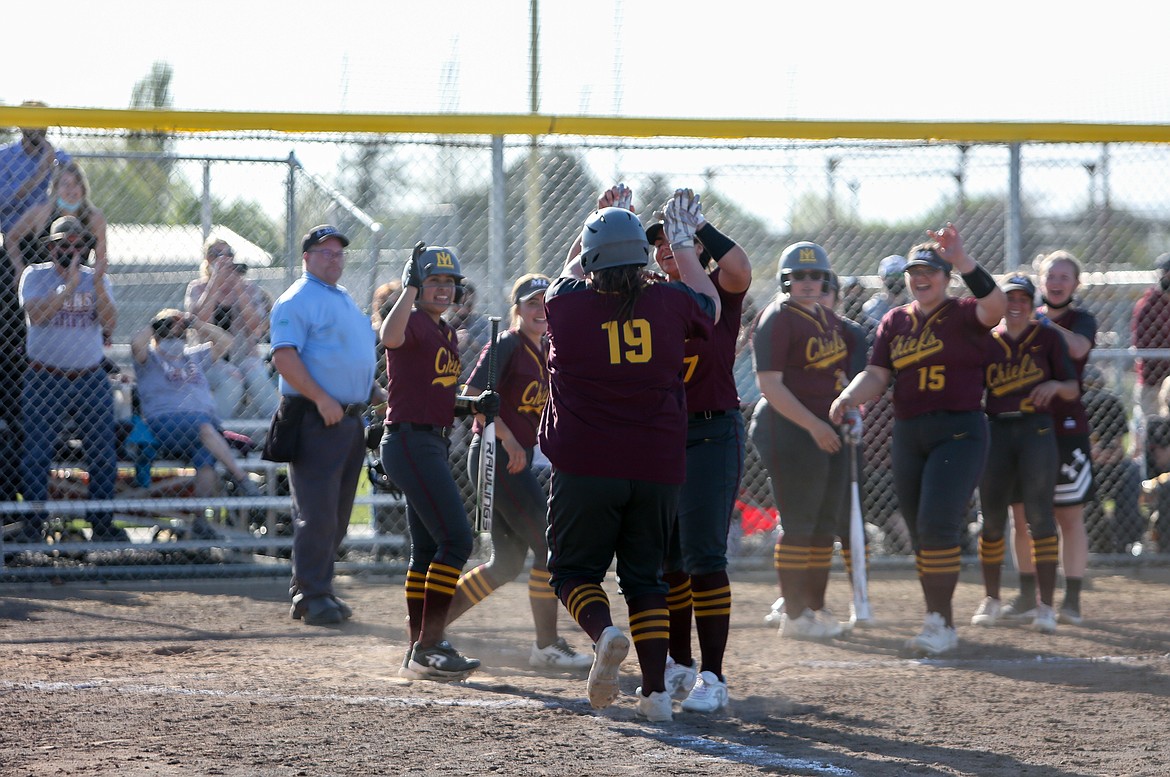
{"x": 906, "y": 349}
{"x": 822, "y": 352}
{"x": 446, "y": 368}
{"x": 533, "y": 398}
{"x": 1009, "y": 378}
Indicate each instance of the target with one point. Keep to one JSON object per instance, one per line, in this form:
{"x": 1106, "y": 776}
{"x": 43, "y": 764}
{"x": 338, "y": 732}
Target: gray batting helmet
{"x": 804, "y": 255}
{"x": 613, "y": 237}
{"x": 441, "y": 260}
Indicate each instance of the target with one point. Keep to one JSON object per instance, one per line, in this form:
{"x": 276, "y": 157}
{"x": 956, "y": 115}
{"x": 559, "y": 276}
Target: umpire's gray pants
{"x": 323, "y": 478}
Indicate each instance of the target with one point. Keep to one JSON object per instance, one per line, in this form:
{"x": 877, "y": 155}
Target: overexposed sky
{"x": 1018, "y": 61}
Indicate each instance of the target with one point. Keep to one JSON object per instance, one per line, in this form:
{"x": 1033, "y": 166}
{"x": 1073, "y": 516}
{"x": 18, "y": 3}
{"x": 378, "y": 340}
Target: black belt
{"x": 353, "y": 409}
{"x": 707, "y": 415}
{"x": 442, "y": 431}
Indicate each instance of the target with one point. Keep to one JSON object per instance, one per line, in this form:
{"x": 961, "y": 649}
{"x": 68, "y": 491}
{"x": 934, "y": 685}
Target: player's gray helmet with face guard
{"x": 613, "y": 237}
{"x": 804, "y": 255}
{"x": 441, "y": 260}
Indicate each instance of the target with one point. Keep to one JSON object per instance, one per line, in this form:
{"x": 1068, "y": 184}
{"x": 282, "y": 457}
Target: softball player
{"x": 519, "y": 508}
{"x": 801, "y": 355}
{"x": 1029, "y": 369}
{"x": 696, "y": 555}
{"x": 422, "y": 370}
{"x": 1060, "y": 274}
{"x": 935, "y": 349}
{"x": 615, "y": 430}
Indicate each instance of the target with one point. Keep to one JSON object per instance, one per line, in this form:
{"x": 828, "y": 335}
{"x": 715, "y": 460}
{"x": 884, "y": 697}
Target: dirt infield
{"x": 185, "y": 678}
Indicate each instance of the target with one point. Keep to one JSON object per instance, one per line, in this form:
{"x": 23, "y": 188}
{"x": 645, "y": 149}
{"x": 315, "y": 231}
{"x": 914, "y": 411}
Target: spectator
{"x": 1113, "y": 517}
{"x": 380, "y": 306}
{"x": 1150, "y": 327}
{"x": 473, "y": 330}
{"x": 241, "y": 382}
{"x": 853, "y": 299}
{"x": 12, "y": 366}
{"x": 1157, "y": 488}
{"x": 890, "y": 270}
{"x": 68, "y": 306}
{"x": 68, "y": 196}
{"x": 177, "y": 403}
{"x": 24, "y": 172}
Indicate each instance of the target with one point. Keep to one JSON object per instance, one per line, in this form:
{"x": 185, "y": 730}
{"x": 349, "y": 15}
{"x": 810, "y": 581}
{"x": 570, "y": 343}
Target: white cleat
{"x": 609, "y": 652}
{"x": 708, "y": 695}
{"x": 988, "y": 613}
{"x": 656, "y": 708}
{"x": 679, "y": 679}
{"x": 935, "y": 638}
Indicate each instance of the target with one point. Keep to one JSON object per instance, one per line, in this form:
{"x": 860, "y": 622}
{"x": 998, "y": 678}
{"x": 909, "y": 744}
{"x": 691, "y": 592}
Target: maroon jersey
{"x": 1150, "y": 326}
{"x": 422, "y": 373}
{"x": 937, "y": 359}
{"x": 521, "y": 381}
{"x": 617, "y": 407}
{"x": 1070, "y": 417}
{"x": 708, "y": 371}
{"x": 811, "y": 348}
{"x": 1018, "y": 366}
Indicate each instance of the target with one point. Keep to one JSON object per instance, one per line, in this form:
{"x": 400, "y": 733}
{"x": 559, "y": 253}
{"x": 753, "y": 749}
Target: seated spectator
{"x": 68, "y": 306}
{"x": 176, "y": 399}
{"x": 241, "y": 383}
{"x": 68, "y": 196}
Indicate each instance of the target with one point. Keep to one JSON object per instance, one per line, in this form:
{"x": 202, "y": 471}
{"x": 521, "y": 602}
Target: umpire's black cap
{"x": 320, "y": 234}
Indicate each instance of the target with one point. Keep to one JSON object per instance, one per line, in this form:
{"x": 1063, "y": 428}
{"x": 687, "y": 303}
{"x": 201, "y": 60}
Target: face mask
{"x": 171, "y": 347}
{"x": 68, "y": 207}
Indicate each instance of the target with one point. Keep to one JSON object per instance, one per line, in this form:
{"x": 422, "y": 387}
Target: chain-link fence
{"x": 155, "y": 203}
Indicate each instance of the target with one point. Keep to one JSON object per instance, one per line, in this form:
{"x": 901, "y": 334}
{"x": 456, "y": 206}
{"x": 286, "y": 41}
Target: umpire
{"x": 323, "y": 348}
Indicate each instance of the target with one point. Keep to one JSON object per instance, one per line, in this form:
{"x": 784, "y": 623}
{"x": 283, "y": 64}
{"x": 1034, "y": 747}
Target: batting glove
{"x": 488, "y": 403}
{"x": 410, "y": 272}
{"x": 679, "y": 233}
{"x": 690, "y": 209}
{"x": 625, "y": 197}
{"x": 851, "y": 427}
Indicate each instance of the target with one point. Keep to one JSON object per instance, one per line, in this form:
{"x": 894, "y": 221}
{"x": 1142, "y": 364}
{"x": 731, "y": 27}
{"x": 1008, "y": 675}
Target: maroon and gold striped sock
{"x": 440, "y": 590}
{"x": 938, "y": 572}
{"x": 543, "y": 601}
{"x": 416, "y": 583}
{"x": 991, "y": 555}
{"x": 588, "y": 605}
{"x": 1046, "y": 555}
{"x": 473, "y": 587}
{"x": 791, "y": 561}
{"x": 712, "y": 596}
{"x": 820, "y": 561}
{"x": 650, "y": 632}
{"x": 679, "y": 603}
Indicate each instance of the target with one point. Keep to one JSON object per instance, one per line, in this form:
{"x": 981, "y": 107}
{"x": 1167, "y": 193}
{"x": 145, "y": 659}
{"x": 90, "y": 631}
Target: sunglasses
{"x": 807, "y": 275}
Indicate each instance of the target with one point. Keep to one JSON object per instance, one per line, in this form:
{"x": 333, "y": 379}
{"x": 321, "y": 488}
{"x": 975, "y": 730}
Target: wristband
{"x": 979, "y": 281}
{"x": 716, "y": 243}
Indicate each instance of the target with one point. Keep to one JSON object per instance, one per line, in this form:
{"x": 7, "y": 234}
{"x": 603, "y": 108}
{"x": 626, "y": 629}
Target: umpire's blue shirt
{"x": 332, "y": 336}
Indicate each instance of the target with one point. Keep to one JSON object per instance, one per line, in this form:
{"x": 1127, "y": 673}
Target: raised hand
{"x": 676, "y": 222}
{"x": 410, "y": 272}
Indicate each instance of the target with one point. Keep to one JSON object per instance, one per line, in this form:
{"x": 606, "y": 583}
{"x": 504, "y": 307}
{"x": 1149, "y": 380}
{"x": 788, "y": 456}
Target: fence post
{"x": 205, "y": 209}
{"x": 290, "y": 220}
{"x": 1012, "y": 229}
{"x": 497, "y": 226}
